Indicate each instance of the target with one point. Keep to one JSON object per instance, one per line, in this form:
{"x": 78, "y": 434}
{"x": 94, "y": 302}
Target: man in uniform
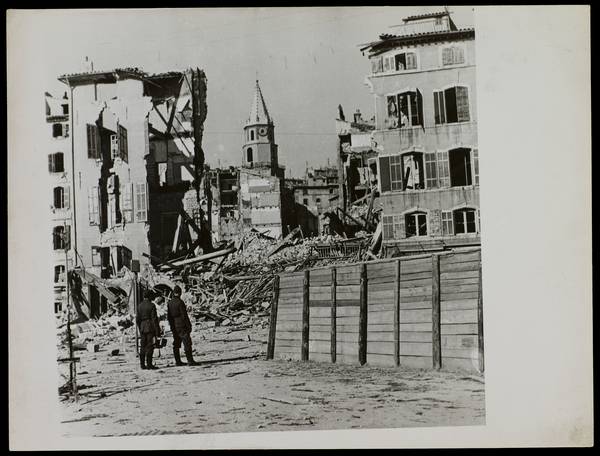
{"x": 147, "y": 322}
{"x": 181, "y": 327}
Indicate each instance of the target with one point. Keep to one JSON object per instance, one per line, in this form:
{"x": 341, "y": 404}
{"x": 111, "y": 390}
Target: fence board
{"x": 464, "y": 328}
{"x": 460, "y": 257}
{"x": 381, "y": 347}
{"x": 459, "y": 305}
{"x": 380, "y": 327}
{"x": 380, "y": 360}
{"x": 460, "y": 316}
{"x": 416, "y": 349}
{"x": 459, "y": 341}
{"x": 468, "y": 353}
{"x": 408, "y": 327}
{"x": 416, "y": 316}
{"x": 418, "y": 362}
{"x": 415, "y": 336}
{"x": 379, "y": 337}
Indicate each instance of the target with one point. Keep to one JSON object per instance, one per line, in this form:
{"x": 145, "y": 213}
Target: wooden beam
{"x": 305, "y": 315}
{"x": 362, "y": 319}
{"x": 206, "y": 257}
{"x": 176, "y": 237}
{"x": 397, "y": 315}
{"x": 480, "y": 323}
{"x": 333, "y": 314}
{"x": 435, "y": 309}
{"x": 273, "y": 319}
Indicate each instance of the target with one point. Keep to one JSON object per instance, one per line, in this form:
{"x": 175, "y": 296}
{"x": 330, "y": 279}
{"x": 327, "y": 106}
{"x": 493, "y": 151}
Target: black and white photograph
{"x": 263, "y": 219}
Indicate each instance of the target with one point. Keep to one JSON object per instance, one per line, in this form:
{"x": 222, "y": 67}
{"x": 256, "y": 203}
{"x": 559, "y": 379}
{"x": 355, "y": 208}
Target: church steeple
{"x": 258, "y": 111}
{"x": 259, "y": 148}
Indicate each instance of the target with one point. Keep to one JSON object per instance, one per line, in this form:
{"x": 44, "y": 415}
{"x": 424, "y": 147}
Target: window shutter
{"x": 431, "y": 170}
{"x": 127, "y": 203}
{"x": 447, "y": 226}
{"x": 51, "y": 163}
{"x": 66, "y": 197}
{"x": 436, "y": 107}
{"x": 141, "y": 203}
{"x": 411, "y": 61}
{"x": 447, "y": 56}
{"x": 476, "y": 166}
{"x": 420, "y": 108}
{"x": 91, "y": 143}
{"x": 459, "y": 55}
{"x": 59, "y": 165}
{"x": 384, "y": 174}
{"x": 399, "y": 228}
{"x": 123, "y": 151}
{"x": 388, "y": 227}
{"x": 462, "y": 104}
{"x": 443, "y": 169}
{"x": 93, "y": 209}
{"x": 376, "y": 65}
{"x": 386, "y": 64}
{"x": 67, "y": 243}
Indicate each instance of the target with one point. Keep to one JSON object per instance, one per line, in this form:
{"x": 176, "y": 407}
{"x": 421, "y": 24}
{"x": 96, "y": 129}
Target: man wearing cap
{"x": 147, "y": 322}
{"x": 181, "y": 327}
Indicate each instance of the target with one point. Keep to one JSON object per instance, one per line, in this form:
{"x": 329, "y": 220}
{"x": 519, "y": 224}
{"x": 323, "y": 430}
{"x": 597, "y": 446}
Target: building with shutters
{"x": 58, "y": 146}
{"x": 122, "y": 162}
{"x": 423, "y": 81}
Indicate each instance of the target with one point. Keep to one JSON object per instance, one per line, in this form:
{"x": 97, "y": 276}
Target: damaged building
{"x": 127, "y": 156}
{"x": 423, "y": 82}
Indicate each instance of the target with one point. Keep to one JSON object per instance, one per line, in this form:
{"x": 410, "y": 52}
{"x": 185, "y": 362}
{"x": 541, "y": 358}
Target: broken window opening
{"x": 398, "y": 62}
{"x": 464, "y": 221}
{"x": 59, "y": 193}
{"x": 59, "y": 271}
{"x": 451, "y": 105}
{"x": 56, "y": 163}
{"x": 305, "y": 201}
{"x": 96, "y": 256}
{"x": 416, "y": 224}
{"x": 460, "y": 167}
{"x": 412, "y": 168}
{"x": 61, "y": 237}
{"x": 65, "y": 109}
{"x": 57, "y": 307}
{"x": 405, "y": 109}
{"x": 57, "y": 130}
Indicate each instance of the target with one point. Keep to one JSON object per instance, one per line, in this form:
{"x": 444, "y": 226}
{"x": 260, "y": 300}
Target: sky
{"x": 306, "y": 59}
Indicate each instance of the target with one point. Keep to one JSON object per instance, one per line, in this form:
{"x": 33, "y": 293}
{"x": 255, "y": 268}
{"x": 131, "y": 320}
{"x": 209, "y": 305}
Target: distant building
{"x": 314, "y": 196}
{"x": 423, "y": 82}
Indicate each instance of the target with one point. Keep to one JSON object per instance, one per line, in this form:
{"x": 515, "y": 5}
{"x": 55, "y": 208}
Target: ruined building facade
{"x": 127, "y": 156}
{"x": 423, "y": 82}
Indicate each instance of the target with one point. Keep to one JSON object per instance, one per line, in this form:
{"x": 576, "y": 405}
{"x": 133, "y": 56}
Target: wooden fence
{"x": 419, "y": 311}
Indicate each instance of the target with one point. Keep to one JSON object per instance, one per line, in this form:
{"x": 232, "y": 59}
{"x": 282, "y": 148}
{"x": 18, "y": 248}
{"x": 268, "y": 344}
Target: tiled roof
{"x": 111, "y": 75}
{"x": 415, "y": 38}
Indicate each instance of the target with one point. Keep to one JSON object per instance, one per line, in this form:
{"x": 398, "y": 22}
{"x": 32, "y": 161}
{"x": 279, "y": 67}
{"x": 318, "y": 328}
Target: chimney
{"x": 357, "y": 116}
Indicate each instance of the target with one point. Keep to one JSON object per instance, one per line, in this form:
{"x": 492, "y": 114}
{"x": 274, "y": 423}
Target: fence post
{"x": 480, "y": 322}
{"x": 362, "y": 319}
{"x": 436, "y": 315}
{"x": 333, "y": 314}
{"x": 305, "y": 315}
{"x": 273, "y": 319}
{"x": 397, "y": 317}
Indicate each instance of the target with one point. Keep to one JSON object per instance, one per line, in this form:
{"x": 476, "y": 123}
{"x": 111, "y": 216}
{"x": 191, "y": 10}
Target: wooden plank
{"x": 320, "y": 312}
{"x": 379, "y": 337}
{"x": 382, "y": 317}
{"x": 305, "y": 315}
{"x": 346, "y": 348}
{"x": 461, "y": 257}
{"x": 459, "y": 341}
{"x": 316, "y": 274}
{"x": 382, "y": 295}
{"x": 459, "y": 305}
{"x": 362, "y": 334}
{"x": 348, "y": 289}
{"x": 414, "y": 276}
{"x": 347, "y": 337}
{"x": 436, "y": 312}
{"x": 319, "y": 357}
{"x": 287, "y": 334}
{"x": 467, "y": 353}
{"x": 409, "y": 327}
{"x": 380, "y": 360}
{"x": 464, "y": 275}
{"x": 382, "y": 279}
{"x": 348, "y": 269}
{"x": 381, "y": 347}
{"x": 415, "y": 305}
{"x": 413, "y": 299}
{"x": 416, "y": 316}
{"x": 380, "y": 327}
{"x": 480, "y": 324}
{"x": 416, "y": 336}
{"x": 288, "y": 343}
{"x": 460, "y": 316}
{"x": 459, "y": 280}
{"x": 461, "y": 269}
{"x": 289, "y": 326}
{"x": 319, "y": 346}
{"x": 470, "y": 288}
{"x": 415, "y": 283}
{"x": 460, "y": 364}
{"x": 347, "y": 359}
{"x": 465, "y": 328}
{"x": 381, "y": 286}
{"x": 418, "y": 362}
{"x": 416, "y": 349}
{"x": 459, "y": 296}
{"x": 353, "y": 311}
{"x": 380, "y": 307}
{"x": 333, "y": 315}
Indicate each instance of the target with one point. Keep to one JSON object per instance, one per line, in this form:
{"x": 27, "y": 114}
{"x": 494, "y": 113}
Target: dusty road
{"x": 117, "y": 398}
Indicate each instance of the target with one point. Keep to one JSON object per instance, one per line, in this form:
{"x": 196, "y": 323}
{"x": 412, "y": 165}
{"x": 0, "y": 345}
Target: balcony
{"x": 444, "y": 136}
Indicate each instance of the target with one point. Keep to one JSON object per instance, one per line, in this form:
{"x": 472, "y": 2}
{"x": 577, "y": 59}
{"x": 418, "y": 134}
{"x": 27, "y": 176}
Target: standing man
{"x": 147, "y": 322}
{"x": 181, "y": 327}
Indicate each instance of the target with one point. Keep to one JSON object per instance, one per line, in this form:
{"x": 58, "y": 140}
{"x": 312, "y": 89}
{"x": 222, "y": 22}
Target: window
{"x": 93, "y": 143}
{"x": 476, "y": 166}
{"x": 453, "y": 55}
{"x": 59, "y": 271}
{"x": 61, "y": 237}
{"x": 431, "y": 170}
{"x": 460, "y": 167}
{"x": 57, "y": 130}
{"x": 402, "y": 172}
{"x": 123, "y": 150}
{"x": 57, "y": 307}
{"x": 397, "y": 62}
{"x": 141, "y": 203}
{"x": 127, "y": 203}
{"x": 305, "y": 201}
{"x": 93, "y": 206}
{"x": 330, "y": 191}
{"x": 416, "y": 224}
{"x": 447, "y": 227}
{"x": 464, "y": 221}
{"x": 451, "y": 105}
{"x": 56, "y": 163}
{"x": 393, "y": 227}
{"x": 123, "y": 257}
{"x": 251, "y": 137}
{"x": 305, "y": 191}
{"x": 61, "y": 197}
{"x": 405, "y": 109}
{"x": 96, "y": 256}
{"x": 249, "y": 155}
{"x": 65, "y": 109}
{"x": 318, "y": 200}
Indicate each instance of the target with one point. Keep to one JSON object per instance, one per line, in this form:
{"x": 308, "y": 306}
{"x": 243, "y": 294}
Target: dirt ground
{"x": 117, "y": 398}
